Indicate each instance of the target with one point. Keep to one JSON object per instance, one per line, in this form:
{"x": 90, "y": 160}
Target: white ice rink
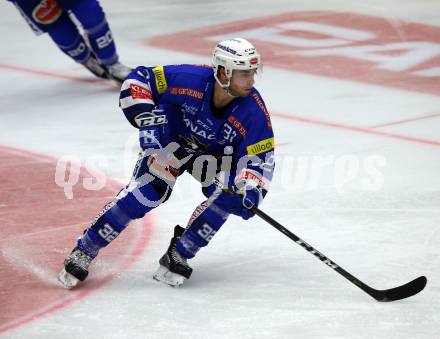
{"x": 358, "y": 177}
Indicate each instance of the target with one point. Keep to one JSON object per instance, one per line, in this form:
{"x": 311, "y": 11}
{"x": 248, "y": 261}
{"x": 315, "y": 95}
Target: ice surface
{"x": 251, "y": 282}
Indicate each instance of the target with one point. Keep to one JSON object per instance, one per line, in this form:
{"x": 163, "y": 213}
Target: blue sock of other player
{"x": 66, "y": 35}
{"x": 92, "y": 18}
{"x": 98, "y": 54}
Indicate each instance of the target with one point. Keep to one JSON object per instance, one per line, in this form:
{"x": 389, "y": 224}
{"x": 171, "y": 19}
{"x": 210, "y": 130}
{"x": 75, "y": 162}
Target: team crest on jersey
{"x": 47, "y": 12}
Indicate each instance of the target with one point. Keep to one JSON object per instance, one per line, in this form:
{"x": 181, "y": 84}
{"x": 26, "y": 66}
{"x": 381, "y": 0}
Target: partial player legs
{"x": 203, "y": 225}
{"x": 174, "y": 269}
{"x": 96, "y": 28}
{"x": 133, "y": 202}
{"x": 107, "y": 226}
{"x": 64, "y": 20}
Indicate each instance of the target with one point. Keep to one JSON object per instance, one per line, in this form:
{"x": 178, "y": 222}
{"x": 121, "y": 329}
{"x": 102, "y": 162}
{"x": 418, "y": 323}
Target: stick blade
{"x": 405, "y": 291}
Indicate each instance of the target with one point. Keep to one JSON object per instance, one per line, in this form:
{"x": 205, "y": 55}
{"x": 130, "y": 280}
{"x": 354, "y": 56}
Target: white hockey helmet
{"x": 236, "y": 53}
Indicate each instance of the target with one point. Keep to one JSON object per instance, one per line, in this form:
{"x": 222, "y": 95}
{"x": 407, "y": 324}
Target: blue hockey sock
{"x": 189, "y": 244}
{"x": 89, "y": 244}
{"x": 204, "y": 224}
{"x": 66, "y": 35}
{"x": 91, "y": 16}
{"x": 104, "y": 230}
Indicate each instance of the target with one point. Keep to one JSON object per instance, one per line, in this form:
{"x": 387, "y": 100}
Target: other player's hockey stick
{"x": 396, "y": 293}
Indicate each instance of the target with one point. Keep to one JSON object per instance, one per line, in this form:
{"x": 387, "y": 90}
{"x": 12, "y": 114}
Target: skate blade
{"x": 167, "y": 277}
{"x": 67, "y": 280}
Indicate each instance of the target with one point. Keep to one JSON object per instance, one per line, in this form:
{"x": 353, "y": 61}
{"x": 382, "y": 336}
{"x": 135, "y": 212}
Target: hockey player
{"x": 209, "y": 121}
{"x": 95, "y": 49}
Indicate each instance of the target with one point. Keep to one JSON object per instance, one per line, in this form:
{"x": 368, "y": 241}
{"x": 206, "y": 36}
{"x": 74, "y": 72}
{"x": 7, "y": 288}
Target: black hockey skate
{"x": 174, "y": 269}
{"x": 76, "y": 268}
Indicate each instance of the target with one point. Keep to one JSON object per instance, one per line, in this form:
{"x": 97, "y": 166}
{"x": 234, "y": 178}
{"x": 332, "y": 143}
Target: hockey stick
{"x": 397, "y": 293}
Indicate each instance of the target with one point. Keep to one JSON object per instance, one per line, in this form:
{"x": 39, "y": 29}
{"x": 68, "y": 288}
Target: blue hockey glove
{"x": 238, "y": 204}
{"x": 250, "y": 199}
{"x": 153, "y": 129}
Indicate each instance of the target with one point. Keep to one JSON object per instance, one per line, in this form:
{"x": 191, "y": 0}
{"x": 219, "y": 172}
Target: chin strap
{"x": 229, "y": 93}
{"x": 225, "y": 86}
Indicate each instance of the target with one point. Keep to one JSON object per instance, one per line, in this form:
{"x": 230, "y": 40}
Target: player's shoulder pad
{"x": 188, "y": 76}
{"x": 140, "y": 73}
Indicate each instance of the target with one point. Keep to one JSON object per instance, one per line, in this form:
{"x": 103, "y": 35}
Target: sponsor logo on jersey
{"x": 186, "y": 91}
{"x": 165, "y": 169}
{"x": 47, "y": 12}
{"x": 139, "y": 92}
{"x": 205, "y": 126}
{"x": 150, "y": 119}
{"x": 198, "y": 130}
{"x": 189, "y": 109}
{"x": 263, "y": 108}
{"x": 161, "y": 81}
{"x": 252, "y": 178}
{"x": 261, "y": 147}
{"x": 237, "y": 124}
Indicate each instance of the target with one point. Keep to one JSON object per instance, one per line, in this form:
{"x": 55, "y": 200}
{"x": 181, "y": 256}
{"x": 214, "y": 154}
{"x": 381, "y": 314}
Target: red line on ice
{"x": 92, "y": 80}
{"x": 31, "y": 204}
{"x": 283, "y": 116}
{"x": 355, "y": 129}
{"x": 288, "y": 55}
{"x": 406, "y": 120}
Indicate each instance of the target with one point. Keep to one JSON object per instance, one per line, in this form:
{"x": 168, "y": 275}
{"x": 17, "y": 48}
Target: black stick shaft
{"x": 330, "y": 263}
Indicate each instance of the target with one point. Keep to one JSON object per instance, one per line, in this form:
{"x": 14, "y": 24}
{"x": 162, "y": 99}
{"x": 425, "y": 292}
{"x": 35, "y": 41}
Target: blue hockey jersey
{"x": 243, "y": 130}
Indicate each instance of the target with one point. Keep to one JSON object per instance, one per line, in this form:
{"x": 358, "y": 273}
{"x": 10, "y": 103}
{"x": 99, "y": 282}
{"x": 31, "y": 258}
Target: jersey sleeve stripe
{"x": 129, "y": 102}
{"x": 138, "y": 109}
